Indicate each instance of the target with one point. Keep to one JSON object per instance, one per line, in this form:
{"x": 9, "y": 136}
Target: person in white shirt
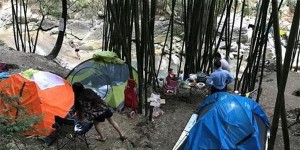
{"x": 224, "y": 62}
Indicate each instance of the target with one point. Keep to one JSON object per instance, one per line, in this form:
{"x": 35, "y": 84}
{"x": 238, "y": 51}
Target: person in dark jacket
{"x": 89, "y": 107}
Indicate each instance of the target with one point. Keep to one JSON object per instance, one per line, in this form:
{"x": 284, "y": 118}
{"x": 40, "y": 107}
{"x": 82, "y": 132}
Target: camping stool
{"x": 68, "y": 134}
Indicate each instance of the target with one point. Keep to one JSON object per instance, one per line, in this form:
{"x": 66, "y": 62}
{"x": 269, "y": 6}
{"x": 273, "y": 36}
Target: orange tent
{"x": 41, "y": 93}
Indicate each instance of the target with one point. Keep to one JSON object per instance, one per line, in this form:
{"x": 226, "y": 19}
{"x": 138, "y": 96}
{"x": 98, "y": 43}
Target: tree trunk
{"x": 61, "y": 34}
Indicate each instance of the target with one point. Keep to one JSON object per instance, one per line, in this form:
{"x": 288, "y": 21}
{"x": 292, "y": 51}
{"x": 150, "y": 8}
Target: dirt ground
{"x": 163, "y": 132}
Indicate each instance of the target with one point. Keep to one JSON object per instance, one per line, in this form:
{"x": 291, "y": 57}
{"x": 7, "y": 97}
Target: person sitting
{"x": 171, "y": 75}
{"x": 170, "y": 87}
{"x": 89, "y": 107}
{"x": 224, "y": 63}
{"x": 219, "y": 78}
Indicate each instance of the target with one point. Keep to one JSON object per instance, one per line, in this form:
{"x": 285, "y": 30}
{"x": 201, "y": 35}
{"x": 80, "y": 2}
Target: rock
{"x": 160, "y": 39}
{"x": 175, "y": 59}
{"x": 178, "y": 44}
{"x": 244, "y": 38}
{"x": 162, "y": 18}
{"x": 91, "y": 45}
{"x": 236, "y": 53}
{"x": 32, "y": 26}
{"x": 49, "y": 24}
{"x": 34, "y": 18}
{"x": 176, "y": 49}
{"x": 234, "y": 47}
{"x": 79, "y": 30}
{"x": 231, "y": 56}
{"x": 5, "y": 16}
{"x": 160, "y": 27}
{"x": 157, "y": 51}
{"x": 222, "y": 45}
{"x": 101, "y": 14}
{"x": 176, "y": 39}
{"x": 54, "y": 31}
{"x": 94, "y": 35}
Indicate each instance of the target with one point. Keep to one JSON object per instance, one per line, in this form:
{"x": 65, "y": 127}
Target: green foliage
{"x": 291, "y": 3}
{"x": 12, "y": 128}
{"x": 48, "y": 7}
{"x": 86, "y": 8}
{"x": 52, "y": 7}
{"x": 249, "y": 11}
{"x": 80, "y": 4}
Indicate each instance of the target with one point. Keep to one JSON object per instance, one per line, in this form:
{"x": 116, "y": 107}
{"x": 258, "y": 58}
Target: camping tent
{"x": 106, "y": 74}
{"x": 228, "y": 121}
{"x": 41, "y": 94}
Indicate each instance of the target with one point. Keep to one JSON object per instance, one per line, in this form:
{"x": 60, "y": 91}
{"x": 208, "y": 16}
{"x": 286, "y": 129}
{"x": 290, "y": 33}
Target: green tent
{"x": 106, "y": 74}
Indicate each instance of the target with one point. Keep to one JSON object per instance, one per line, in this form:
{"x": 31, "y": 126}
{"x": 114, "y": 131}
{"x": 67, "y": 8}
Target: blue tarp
{"x": 228, "y": 121}
{"x": 4, "y": 75}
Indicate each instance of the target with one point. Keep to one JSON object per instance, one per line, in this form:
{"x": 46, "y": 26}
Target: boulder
{"x": 157, "y": 51}
{"x": 101, "y": 14}
{"x": 160, "y": 39}
{"x": 177, "y": 39}
{"x": 34, "y": 18}
{"x": 49, "y": 24}
{"x": 161, "y": 27}
{"x": 54, "y": 31}
{"x": 91, "y": 45}
{"x": 32, "y": 26}
{"x": 5, "y": 17}
{"x": 79, "y": 30}
{"x": 96, "y": 34}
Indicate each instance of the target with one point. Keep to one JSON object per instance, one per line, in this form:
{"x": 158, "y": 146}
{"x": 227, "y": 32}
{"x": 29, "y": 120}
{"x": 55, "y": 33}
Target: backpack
{"x": 3, "y": 67}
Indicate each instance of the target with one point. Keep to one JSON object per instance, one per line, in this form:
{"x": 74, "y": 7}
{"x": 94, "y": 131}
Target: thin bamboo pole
{"x": 285, "y": 69}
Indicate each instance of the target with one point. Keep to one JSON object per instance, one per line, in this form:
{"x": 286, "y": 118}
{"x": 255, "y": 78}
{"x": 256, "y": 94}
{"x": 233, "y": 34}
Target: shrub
{"x": 12, "y": 128}
{"x": 47, "y": 7}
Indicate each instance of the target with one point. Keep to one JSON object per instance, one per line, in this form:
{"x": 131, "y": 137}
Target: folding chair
{"x": 67, "y": 137}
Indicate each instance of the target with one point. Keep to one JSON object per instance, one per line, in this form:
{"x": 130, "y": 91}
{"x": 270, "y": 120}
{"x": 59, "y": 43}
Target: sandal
{"x": 101, "y": 139}
{"x": 123, "y": 138}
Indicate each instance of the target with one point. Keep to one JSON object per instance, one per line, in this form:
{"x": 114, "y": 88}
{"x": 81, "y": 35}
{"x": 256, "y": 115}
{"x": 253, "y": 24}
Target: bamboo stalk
{"x": 285, "y": 70}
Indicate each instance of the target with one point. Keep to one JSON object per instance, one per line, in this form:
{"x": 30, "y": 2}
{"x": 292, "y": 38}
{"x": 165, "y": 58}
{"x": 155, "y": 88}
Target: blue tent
{"x": 228, "y": 121}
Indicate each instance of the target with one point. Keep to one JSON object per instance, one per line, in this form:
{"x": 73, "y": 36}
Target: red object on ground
{"x": 130, "y": 95}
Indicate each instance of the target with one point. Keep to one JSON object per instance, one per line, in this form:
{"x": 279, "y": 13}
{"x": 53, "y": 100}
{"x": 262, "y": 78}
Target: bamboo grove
{"x": 129, "y": 29}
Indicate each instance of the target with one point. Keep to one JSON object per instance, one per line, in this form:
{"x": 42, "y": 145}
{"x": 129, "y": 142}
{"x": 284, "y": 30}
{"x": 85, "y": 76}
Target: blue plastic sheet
{"x": 4, "y": 75}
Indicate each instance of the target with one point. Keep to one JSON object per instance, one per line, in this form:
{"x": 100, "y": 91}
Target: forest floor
{"x": 161, "y": 133}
